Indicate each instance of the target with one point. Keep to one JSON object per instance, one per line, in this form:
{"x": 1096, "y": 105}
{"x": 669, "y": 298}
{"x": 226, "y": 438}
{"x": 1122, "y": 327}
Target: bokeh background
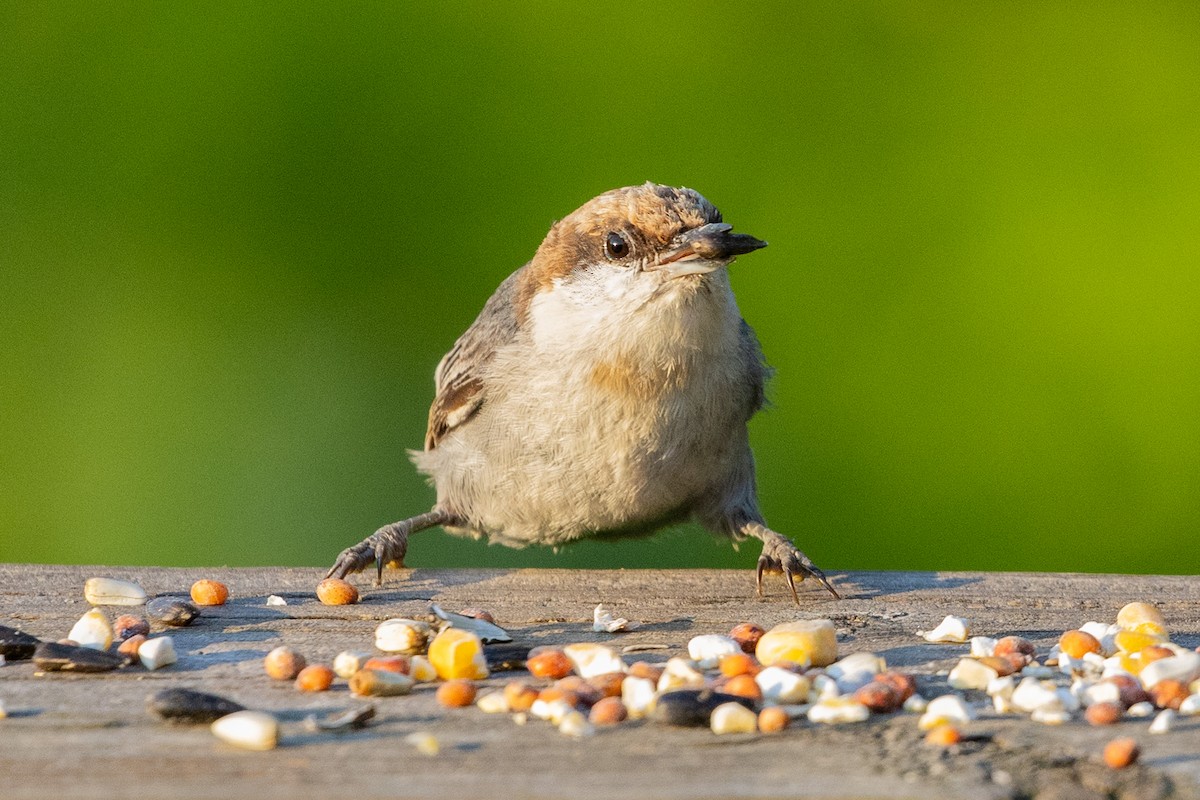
{"x": 235, "y": 240}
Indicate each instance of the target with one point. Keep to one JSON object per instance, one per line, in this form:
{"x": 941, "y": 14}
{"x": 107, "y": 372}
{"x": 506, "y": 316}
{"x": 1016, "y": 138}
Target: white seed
{"x": 575, "y": 725}
{"x": 1113, "y": 666}
{"x": 347, "y": 662}
{"x": 1001, "y": 686}
{"x": 157, "y": 652}
{"x": 707, "y": 650}
{"x": 1190, "y": 706}
{"x": 733, "y": 718}
{"x": 604, "y": 622}
{"x": 1050, "y": 716}
{"x": 407, "y": 636}
{"x": 1032, "y": 694}
{"x": 1163, "y": 721}
{"x": 855, "y": 670}
{"x": 824, "y": 685}
{"x": 1103, "y": 633}
{"x": 93, "y": 630}
{"x": 1037, "y": 671}
{"x": 983, "y": 646}
{"x": 969, "y": 673}
{"x": 916, "y": 704}
{"x": 947, "y": 709}
{"x": 1103, "y": 692}
{"x": 638, "y": 695}
{"x": 276, "y": 600}
{"x": 425, "y": 742}
{"x": 590, "y": 660}
{"x": 421, "y": 669}
{"x": 112, "y": 592}
{"x": 493, "y": 703}
{"x": 780, "y": 685}
{"x": 252, "y": 730}
{"x": 1183, "y": 667}
{"x": 838, "y": 710}
{"x": 1142, "y": 709}
{"x": 680, "y": 673}
{"x": 552, "y": 710}
{"x": 951, "y": 629}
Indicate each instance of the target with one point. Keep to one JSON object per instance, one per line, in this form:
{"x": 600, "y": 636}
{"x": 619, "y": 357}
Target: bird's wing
{"x": 459, "y": 378}
{"x": 757, "y": 371}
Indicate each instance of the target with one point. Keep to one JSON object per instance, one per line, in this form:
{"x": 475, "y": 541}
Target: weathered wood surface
{"x": 90, "y": 736}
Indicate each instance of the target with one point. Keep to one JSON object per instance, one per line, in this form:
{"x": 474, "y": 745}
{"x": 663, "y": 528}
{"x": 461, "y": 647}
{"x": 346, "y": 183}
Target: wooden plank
{"x": 90, "y": 736}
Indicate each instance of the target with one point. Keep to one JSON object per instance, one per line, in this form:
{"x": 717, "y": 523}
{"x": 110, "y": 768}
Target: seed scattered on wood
{"x": 773, "y": 719}
{"x": 691, "y": 707}
{"x": 399, "y": 635}
{"x": 56, "y": 657}
{"x": 350, "y": 720}
{"x": 520, "y": 695}
{"x": 190, "y": 706}
{"x": 251, "y": 730}
{"x": 128, "y": 625}
{"x": 747, "y": 634}
{"x": 172, "y": 611}
{"x": 549, "y": 663}
{"x": 113, "y": 592}
{"x": 943, "y": 735}
{"x": 92, "y": 630}
{"x": 378, "y": 683}
{"x": 401, "y": 664}
{"x": 879, "y": 697}
{"x": 1077, "y": 643}
{"x": 456, "y": 693}
{"x": 1103, "y": 713}
{"x": 16, "y": 645}
{"x": 1168, "y": 694}
{"x": 206, "y": 592}
{"x": 337, "y": 592}
{"x": 157, "y": 653}
{"x": 457, "y": 653}
{"x": 129, "y": 647}
{"x": 283, "y": 663}
{"x": 608, "y": 711}
{"x": 314, "y": 678}
{"x": 1120, "y": 753}
{"x": 733, "y": 718}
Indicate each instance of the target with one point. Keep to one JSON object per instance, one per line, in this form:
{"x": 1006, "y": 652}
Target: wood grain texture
{"x": 90, "y": 736}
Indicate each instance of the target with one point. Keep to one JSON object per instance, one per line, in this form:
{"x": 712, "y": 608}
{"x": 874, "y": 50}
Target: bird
{"x": 604, "y": 390}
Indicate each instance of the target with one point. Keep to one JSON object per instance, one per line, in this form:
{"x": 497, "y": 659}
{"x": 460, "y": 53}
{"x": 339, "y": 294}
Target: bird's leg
{"x": 780, "y": 555}
{"x": 385, "y": 545}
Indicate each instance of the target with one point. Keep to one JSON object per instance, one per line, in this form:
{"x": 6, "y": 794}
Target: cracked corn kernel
{"x": 456, "y": 653}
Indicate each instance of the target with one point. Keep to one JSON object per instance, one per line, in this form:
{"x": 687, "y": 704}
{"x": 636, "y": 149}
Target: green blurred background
{"x": 235, "y": 239}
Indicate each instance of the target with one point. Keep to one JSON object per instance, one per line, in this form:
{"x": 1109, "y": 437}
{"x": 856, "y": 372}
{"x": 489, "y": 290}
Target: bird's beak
{"x": 704, "y": 249}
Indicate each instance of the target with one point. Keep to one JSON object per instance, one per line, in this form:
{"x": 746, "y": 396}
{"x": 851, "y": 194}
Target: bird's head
{"x": 638, "y": 242}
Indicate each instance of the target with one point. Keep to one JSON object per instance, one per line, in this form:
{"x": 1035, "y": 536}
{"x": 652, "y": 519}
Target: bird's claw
{"x": 780, "y": 555}
{"x": 385, "y": 545}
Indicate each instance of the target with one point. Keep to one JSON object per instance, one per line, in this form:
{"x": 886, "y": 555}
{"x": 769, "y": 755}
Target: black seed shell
{"x": 187, "y": 705}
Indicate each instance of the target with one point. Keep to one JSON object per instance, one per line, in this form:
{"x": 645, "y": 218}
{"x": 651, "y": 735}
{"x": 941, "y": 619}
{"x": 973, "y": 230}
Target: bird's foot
{"x": 779, "y": 554}
{"x": 385, "y": 545}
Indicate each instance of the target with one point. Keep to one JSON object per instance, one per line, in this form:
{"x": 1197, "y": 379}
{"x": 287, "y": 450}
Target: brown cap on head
{"x": 651, "y": 227}
{"x": 649, "y": 217}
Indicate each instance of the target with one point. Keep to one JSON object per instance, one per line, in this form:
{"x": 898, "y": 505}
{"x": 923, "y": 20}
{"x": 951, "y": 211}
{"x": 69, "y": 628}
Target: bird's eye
{"x": 615, "y": 246}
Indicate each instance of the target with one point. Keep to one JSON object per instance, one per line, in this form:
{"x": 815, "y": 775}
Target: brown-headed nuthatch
{"x": 603, "y": 390}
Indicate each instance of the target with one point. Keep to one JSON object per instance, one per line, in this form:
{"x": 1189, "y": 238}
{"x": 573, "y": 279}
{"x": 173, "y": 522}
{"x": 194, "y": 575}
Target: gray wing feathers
{"x": 458, "y": 379}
